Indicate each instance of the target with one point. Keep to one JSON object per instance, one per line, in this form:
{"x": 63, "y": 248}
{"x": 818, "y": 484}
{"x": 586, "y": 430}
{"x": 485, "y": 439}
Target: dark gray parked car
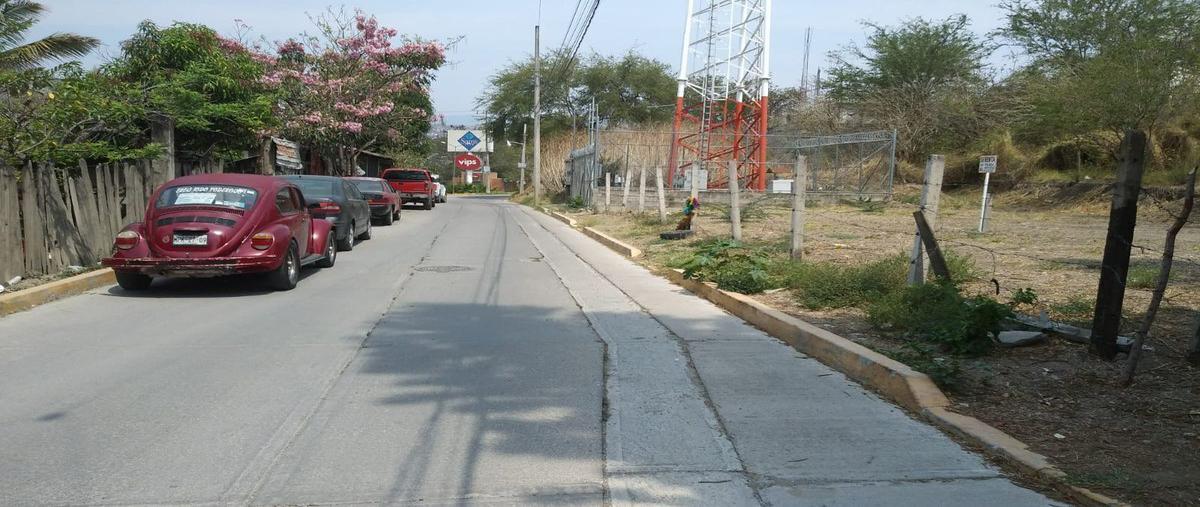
{"x": 338, "y": 201}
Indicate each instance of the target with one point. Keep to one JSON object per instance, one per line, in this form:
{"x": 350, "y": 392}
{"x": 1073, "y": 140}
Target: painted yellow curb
{"x": 42, "y": 294}
{"x": 613, "y": 243}
{"x": 897, "y": 381}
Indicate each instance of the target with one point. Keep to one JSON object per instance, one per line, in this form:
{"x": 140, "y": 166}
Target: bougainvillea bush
{"x": 355, "y": 86}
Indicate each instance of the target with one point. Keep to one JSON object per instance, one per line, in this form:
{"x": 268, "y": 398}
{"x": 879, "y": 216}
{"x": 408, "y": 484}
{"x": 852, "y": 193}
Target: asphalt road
{"x": 475, "y": 353}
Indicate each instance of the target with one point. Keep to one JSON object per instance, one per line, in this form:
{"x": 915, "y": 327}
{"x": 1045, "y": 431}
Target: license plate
{"x": 189, "y": 240}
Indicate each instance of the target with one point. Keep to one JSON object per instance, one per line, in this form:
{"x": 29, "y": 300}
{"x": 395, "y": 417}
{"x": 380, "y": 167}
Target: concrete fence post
{"x": 695, "y": 179}
{"x": 931, "y": 194}
{"x": 607, "y": 191}
{"x": 662, "y": 197}
{"x": 799, "y": 189}
{"x": 625, "y": 190}
{"x": 641, "y": 190}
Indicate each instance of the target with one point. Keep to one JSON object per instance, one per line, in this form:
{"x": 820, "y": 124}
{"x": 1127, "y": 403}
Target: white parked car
{"x": 439, "y": 191}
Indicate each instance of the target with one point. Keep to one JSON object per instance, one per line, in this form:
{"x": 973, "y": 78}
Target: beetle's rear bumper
{"x": 194, "y": 268}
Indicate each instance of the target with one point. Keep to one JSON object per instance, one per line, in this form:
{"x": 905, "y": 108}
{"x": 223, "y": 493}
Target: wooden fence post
{"x": 662, "y": 198}
{"x": 1114, "y": 268}
{"x": 31, "y": 223}
{"x": 931, "y": 194}
{"x": 799, "y": 189}
{"x": 162, "y": 131}
{"x": 641, "y": 190}
{"x": 937, "y": 261}
{"x": 12, "y": 260}
{"x": 735, "y": 203}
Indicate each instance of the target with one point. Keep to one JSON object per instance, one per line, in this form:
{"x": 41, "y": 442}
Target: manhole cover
{"x": 443, "y": 269}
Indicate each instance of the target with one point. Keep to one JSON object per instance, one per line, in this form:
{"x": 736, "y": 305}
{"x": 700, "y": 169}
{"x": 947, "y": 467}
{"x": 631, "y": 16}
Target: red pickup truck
{"x": 413, "y": 185}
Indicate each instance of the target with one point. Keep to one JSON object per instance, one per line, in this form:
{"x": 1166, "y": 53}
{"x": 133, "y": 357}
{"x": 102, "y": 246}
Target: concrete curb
{"x": 897, "y": 381}
{"x": 614, "y": 243}
{"x": 564, "y": 219}
{"x": 42, "y": 294}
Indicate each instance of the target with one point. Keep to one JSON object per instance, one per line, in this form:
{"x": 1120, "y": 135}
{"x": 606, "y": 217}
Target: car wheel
{"x": 287, "y": 274}
{"x": 397, "y": 214}
{"x": 346, "y": 242}
{"x": 133, "y": 281}
{"x": 389, "y": 218}
{"x": 429, "y": 203}
{"x": 367, "y": 233}
{"x": 331, "y": 251}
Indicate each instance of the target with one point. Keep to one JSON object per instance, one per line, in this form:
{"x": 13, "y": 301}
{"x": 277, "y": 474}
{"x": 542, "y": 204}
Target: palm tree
{"x": 16, "y": 18}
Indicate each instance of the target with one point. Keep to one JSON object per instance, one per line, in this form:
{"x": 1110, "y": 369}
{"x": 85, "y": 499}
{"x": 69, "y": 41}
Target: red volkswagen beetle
{"x": 220, "y": 224}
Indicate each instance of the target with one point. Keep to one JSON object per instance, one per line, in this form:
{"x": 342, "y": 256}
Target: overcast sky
{"x": 496, "y": 32}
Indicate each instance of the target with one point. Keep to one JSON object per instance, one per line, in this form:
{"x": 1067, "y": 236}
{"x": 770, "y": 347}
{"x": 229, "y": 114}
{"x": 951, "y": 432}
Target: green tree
{"x": 926, "y": 79}
{"x": 65, "y": 114}
{"x": 16, "y": 18}
{"x": 208, "y": 85}
{"x": 1106, "y": 65}
{"x": 631, "y": 89}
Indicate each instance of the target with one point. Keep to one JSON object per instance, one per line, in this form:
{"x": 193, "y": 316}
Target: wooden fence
{"x": 55, "y": 217}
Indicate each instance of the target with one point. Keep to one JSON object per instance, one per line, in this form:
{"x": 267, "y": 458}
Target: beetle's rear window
{"x": 406, "y": 176}
{"x": 227, "y": 196}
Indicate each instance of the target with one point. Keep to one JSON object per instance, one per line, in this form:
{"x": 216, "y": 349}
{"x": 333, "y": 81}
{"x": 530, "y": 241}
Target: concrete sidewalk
{"x": 754, "y": 420}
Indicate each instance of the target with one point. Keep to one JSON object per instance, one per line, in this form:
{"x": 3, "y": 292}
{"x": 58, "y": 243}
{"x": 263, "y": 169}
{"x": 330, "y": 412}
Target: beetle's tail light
{"x": 262, "y": 240}
{"x": 127, "y": 239}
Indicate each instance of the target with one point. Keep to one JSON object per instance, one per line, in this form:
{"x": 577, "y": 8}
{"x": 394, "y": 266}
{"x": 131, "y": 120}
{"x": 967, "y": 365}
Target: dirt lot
{"x": 1140, "y": 444}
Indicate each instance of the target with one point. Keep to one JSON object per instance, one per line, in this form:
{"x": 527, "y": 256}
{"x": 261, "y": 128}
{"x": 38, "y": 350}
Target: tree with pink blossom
{"x": 354, "y": 86}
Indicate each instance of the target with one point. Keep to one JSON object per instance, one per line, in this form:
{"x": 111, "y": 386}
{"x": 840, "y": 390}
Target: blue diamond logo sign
{"x": 469, "y": 141}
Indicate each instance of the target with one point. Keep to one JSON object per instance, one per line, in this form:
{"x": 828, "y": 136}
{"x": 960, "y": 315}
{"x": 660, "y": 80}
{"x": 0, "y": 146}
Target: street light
{"x": 521, "y": 164}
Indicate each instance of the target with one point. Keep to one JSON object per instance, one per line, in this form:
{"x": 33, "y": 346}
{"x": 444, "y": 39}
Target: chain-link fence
{"x": 856, "y": 165}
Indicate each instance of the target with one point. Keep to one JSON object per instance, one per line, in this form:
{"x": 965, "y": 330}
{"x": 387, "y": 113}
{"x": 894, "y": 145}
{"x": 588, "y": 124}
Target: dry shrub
{"x": 1177, "y": 146}
{"x": 1012, "y": 162}
{"x": 1093, "y": 150}
{"x": 646, "y": 146}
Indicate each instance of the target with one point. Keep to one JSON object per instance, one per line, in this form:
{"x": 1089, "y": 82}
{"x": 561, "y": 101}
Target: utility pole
{"x": 537, "y": 115}
{"x": 524, "y": 130}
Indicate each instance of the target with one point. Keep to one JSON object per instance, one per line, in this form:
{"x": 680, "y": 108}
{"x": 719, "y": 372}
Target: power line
{"x": 575, "y": 34}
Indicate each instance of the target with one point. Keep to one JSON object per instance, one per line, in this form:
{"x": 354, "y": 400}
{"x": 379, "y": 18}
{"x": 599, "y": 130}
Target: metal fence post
{"x": 735, "y": 204}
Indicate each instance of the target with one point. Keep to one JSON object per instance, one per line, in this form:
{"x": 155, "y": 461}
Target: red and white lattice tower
{"x": 721, "y": 107}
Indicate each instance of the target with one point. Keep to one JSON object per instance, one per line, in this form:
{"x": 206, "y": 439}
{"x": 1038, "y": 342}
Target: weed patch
{"x": 822, "y": 285}
{"x": 939, "y": 314}
{"x": 731, "y": 265}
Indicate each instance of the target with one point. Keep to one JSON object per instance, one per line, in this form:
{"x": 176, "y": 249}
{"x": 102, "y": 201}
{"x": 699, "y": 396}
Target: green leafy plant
{"x": 730, "y": 265}
{"x": 576, "y": 203}
{"x": 939, "y": 314}
{"x": 821, "y": 285}
{"x": 1023, "y": 297}
{"x": 943, "y": 369}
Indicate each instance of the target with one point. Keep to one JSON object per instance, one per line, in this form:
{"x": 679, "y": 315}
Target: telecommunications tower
{"x": 721, "y": 103}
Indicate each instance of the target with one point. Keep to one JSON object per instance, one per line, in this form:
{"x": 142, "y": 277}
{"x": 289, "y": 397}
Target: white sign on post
{"x": 468, "y": 141}
{"x": 987, "y": 166}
